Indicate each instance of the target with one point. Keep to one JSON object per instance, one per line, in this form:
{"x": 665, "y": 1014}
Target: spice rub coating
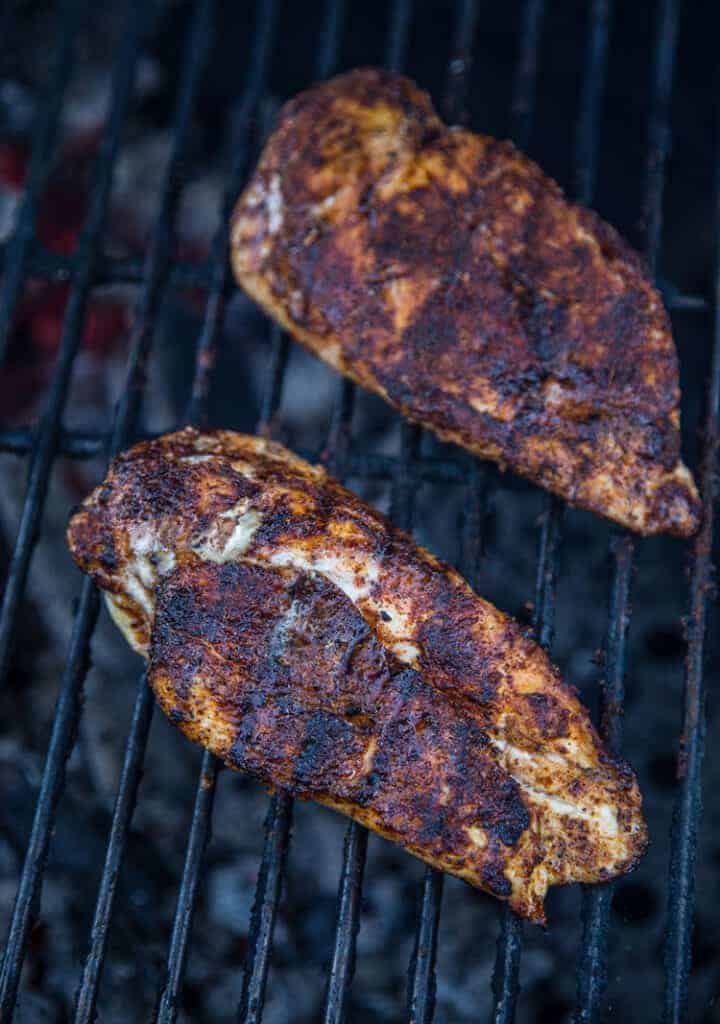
{"x": 443, "y": 270}
{"x": 292, "y": 631}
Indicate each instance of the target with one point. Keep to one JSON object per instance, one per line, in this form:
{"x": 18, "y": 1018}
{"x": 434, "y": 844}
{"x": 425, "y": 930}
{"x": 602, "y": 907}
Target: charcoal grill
{"x": 41, "y": 444}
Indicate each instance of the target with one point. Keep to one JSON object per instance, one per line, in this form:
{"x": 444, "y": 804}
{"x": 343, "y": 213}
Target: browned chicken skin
{"x": 291, "y": 630}
{"x": 443, "y": 270}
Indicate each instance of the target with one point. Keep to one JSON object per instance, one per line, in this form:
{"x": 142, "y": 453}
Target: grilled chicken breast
{"x": 443, "y": 270}
{"x": 292, "y": 631}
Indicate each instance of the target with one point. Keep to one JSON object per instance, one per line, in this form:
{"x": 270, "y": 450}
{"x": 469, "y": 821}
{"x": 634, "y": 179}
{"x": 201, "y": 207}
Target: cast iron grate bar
{"x": 44, "y": 447}
{"x": 421, "y": 971}
{"x": 596, "y": 901}
{"x": 509, "y": 944}
{"x": 87, "y": 989}
{"x": 400, "y": 20}
{"x": 358, "y": 462}
{"x": 593, "y": 88}
{"x": 262, "y": 921}
{"x": 421, "y": 977}
{"x": 279, "y": 818}
{"x": 68, "y": 705}
{"x": 591, "y": 967}
{"x": 342, "y": 964}
{"x": 592, "y": 970}
{"x": 525, "y": 89}
{"x": 155, "y": 281}
{"x": 688, "y": 803}
{"x": 505, "y": 984}
{"x": 44, "y": 138}
{"x": 168, "y": 1000}
{"x": 596, "y": 904}
{"x": 659, "y": 133}
{"x": 49, "y": 266}
{"x": 347, "y": 925}
{"x": 167, "y": 1006}
{"x": 156, "y": 270}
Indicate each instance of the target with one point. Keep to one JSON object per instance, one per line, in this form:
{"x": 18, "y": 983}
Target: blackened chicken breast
{"x": 443, "y": 270}
{"x": 292, "y": 631}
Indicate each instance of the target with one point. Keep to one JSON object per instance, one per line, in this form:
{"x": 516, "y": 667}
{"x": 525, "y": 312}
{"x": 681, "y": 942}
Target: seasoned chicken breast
{"x": 292, "y": 631}
{"x": 444, "y": 271}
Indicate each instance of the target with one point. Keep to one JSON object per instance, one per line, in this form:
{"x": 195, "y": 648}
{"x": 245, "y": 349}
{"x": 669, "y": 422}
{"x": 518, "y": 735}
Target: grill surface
{"x": 42, "y": 444}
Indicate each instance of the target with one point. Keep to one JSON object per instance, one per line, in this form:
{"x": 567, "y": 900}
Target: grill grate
{"x": 42, "y": 444}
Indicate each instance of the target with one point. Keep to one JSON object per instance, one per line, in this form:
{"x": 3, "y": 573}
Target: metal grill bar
{"x": 67, "y": 709}
{"x": 168, "y": 1000}
{"x": 688, "y": 804}
{"x": 399, "y": 34}
{"x": 421, "y": 976}
{"x": 422, "y": 981}
{"x": 342, "y": 964}
{"x": 659, "y": 134}
{"x": 38, "y": 171}
{"x": 267, "y": 897}
{"x": 277, "y": 827}
{"x": 87, "y": 989}
{"x": 421, "y": 972}
{"x": 524, "y": 96}
{"x": 50, "y": 266}
{"x": 44, "y": 448}
{"x": 592, "y": 971}
{"x": 167, "y": 1007}
{"x": 347, "y": 925}
{"x": 267, "y": 16}
{"x": 509, "y": 948}
{"x": 54, "y": 267}
{"x": 593, "y": 88}
{"x": 329, "y": 48}
{"x": 543, "y": 620}
{"x": 460, "y": 66}
{"x": 509, "y": 944}
{"x": 371, "y": 465}
{"x": 155, "y": 278}
{"x": 591, "y": 968}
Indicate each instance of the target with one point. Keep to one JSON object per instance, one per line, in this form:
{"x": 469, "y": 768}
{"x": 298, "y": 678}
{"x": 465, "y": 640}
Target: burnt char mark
{"x": 326, "y": 755}
{"x": 278, "y": 673}
{"x": 156, "y": 485}
{"x": 92, "y": 543}
{"x": 447, "y": 763}
{"x": 543, "y": 322}
{"x": 549, "y": 716}
{"x": 455, "y": 656}
{"x": 210, "y": 616}
{"x": 669, "y": 502}
{"x": 107, "y": 555}
{"x": 493, "y": 878}
{"x": 230, "y": 606}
